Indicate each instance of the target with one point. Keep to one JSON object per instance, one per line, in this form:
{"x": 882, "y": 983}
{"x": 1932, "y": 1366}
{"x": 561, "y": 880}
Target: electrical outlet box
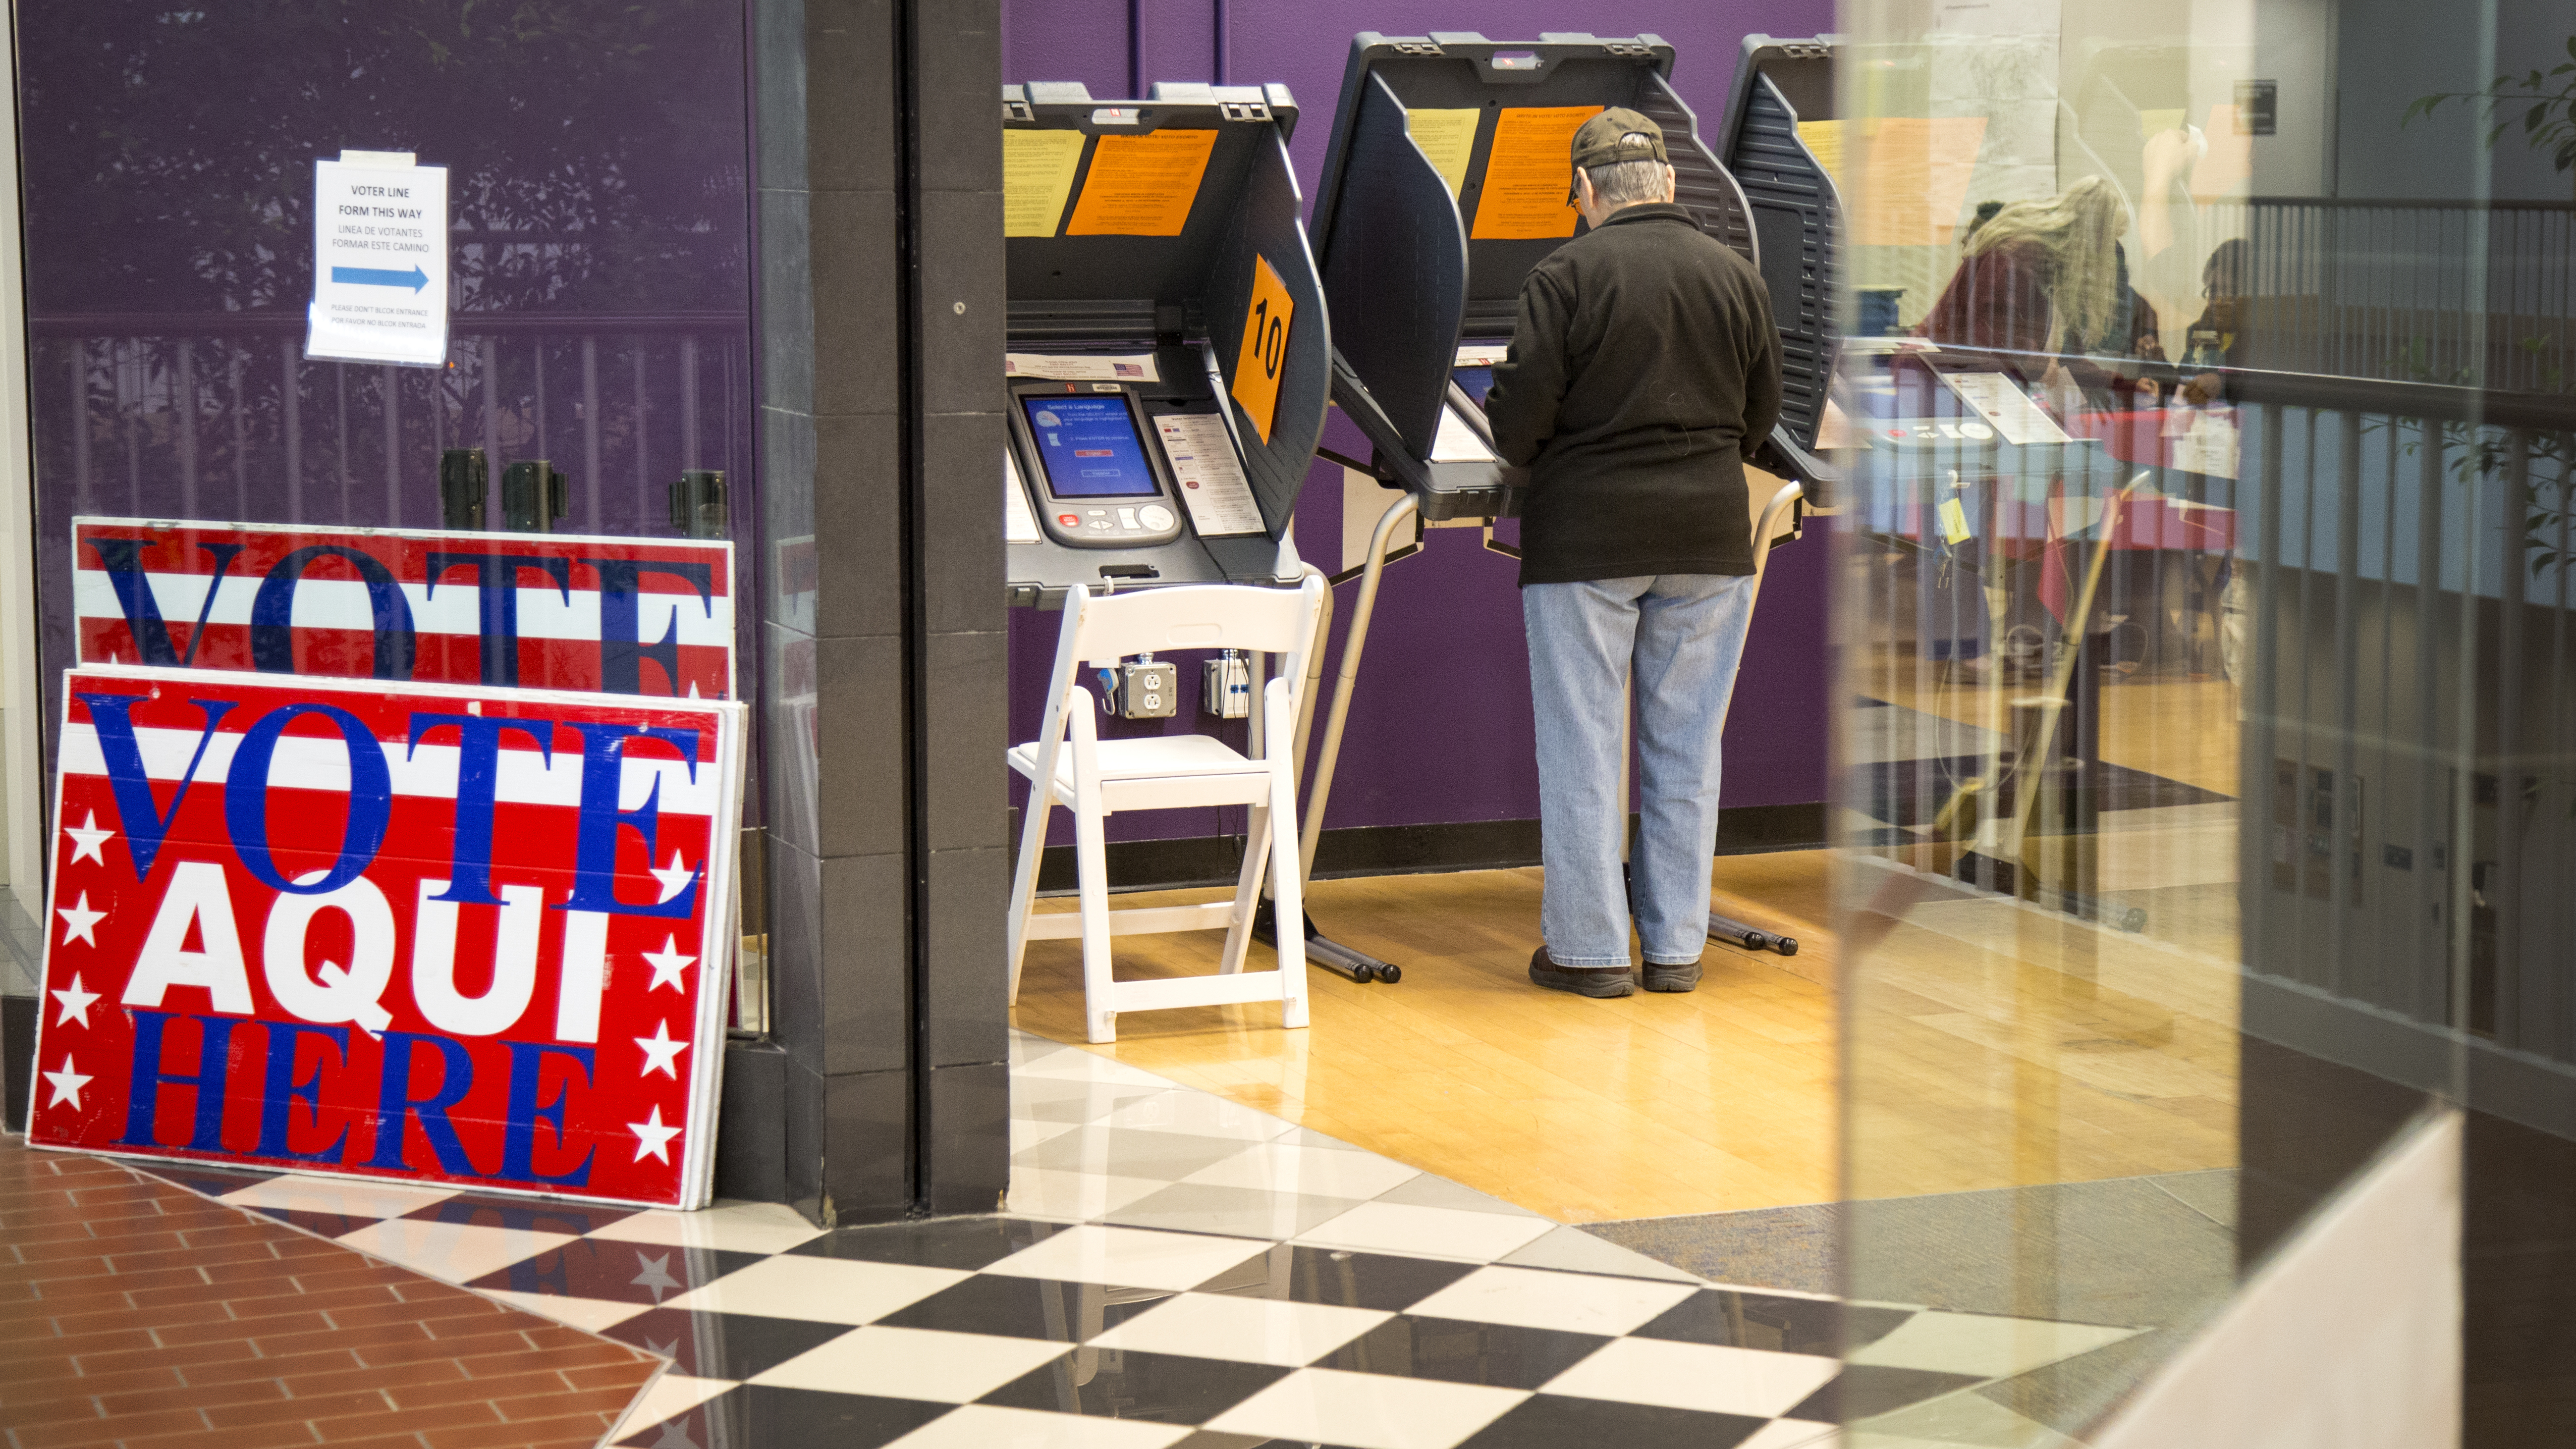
{"x": 1148, "y": 688}
{"x": 1225, "y": 685}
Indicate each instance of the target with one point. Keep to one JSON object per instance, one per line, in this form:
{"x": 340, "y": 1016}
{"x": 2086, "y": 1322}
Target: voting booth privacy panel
{"x": 1447, "y": 180}
{"x": 1169, "y": 342}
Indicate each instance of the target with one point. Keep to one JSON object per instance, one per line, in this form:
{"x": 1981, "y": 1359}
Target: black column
{"x": 878, "y": 159}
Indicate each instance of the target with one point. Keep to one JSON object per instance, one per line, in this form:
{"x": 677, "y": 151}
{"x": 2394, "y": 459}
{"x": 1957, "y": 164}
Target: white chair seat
{"x": 1139, "y": 759}
{"x": 1096, "y": 778}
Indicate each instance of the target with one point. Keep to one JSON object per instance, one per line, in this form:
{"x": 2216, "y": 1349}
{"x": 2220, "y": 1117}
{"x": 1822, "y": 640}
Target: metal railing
{"x": 2428, "y": 291}
{"x": 2410, "y": 739}
{"x": 221, "y": 415}
{"x": 2402, "y": 557}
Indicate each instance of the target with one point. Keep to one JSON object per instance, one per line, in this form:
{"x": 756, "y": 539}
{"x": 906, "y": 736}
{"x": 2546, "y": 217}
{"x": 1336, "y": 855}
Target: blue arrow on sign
{"x": 376, "y": 277}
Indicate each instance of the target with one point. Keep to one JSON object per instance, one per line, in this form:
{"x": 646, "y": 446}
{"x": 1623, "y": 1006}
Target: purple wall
{"x": 1440, "y": 728}
{"x": 599, "y": 217}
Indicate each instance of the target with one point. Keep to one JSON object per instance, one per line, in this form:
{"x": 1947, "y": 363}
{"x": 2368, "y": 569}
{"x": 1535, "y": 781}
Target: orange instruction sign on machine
{"x": 1529, "y": 174}
{"x": 1141, "y": 185}
{"x": 1265, "y": 346}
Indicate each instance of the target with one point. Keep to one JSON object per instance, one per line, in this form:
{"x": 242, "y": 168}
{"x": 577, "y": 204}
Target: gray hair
{"x": 1624, "y": 182}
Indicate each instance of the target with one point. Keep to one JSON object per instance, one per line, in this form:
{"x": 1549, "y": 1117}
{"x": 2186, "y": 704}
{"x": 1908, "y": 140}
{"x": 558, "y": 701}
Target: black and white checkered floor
{"x": 1174, "y": 1270}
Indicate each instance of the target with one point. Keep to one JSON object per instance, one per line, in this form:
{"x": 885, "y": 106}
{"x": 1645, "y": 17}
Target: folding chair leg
{"x": 1091, "y": 858}
{"x": 1024, "y": 880}
{"x": 1288, "y": 890}
{"x": 1247, "y": 890}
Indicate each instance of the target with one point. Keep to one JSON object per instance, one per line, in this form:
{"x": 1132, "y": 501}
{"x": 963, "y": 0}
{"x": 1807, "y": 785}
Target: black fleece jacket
{"x": 1644, "y": 369}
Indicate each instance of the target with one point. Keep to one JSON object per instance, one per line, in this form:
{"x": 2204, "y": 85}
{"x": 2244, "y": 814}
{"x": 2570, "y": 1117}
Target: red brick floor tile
{"x": 270, "y": 1269}
{"x": 284, "y": 1410}
{"x": 444, "y": 1317}
{"x": 463, "y": 1417}
{"x": 497, "y": 1387}
{"x": 264, "y": 1328}
{"x": 257, "y": 1436}
{"x": 66, "y": 1410}
{"x": 430, "y": 1348}
{"x": 565, "y": 1357}
{"x": 195, "y": 1325}
{"x": 601, "y": 1375}
{"x": 301, "y": 1246}
{"x": 207, "y": 1259}
{"x": 70, "y": 1385}
{"x": 104, "y": 1296}
{"x": 437, "y": 1381}
{"x": 96, "y": 1317}
{"x": 95, "y": 1340}
{"x": 67, "y": 1434}
{"x": 329, "y": 1300}
{"x": 19, "y": 1375}
{"x": 26, "y": 1236}
{"x": 152, "y": 1354}
{"x": 205, "y": 1396}
{"x": 540, "y": 1434}
{"x": 273, "y": 1367}
{"x": 538, "y": 1407}
{"x": 94, "y": 1245}
{"x": 106, "y": 1282}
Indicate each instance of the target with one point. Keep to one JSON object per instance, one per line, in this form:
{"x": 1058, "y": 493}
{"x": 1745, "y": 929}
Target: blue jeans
{"x": 1684, "y": 635}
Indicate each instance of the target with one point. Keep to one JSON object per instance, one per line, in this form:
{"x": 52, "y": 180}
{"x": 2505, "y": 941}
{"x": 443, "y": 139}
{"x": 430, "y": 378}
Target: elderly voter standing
{"x": 1644, "y": 368}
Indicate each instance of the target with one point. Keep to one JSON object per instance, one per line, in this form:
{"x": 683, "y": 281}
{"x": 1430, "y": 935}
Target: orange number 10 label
{"x": 1265, "y": 346}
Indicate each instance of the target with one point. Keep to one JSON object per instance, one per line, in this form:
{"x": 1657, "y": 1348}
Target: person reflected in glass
{"x": 2216, "y": 338}
{"x": 2047, "y": 279}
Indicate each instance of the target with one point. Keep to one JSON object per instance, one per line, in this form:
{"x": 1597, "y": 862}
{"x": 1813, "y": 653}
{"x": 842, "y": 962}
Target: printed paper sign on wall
{"x": 379, "y": 260}
{"x": 539, "y": 610}
{"x": 457, "y": 934}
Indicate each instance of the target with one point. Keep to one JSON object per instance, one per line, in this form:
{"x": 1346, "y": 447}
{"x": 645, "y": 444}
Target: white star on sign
{"x": 75, "y": 1003}
{"x": 661, "y": 1054}
{"x": 67, "y": 1083}
{"x": 674, "y": 877}
{"x": 652, "y": 1139}
{"x": 667, "y": 964}
{"x": 87, "y": 839}
{"x": 79, "y": 921}
{"x": 656, "y": 1276}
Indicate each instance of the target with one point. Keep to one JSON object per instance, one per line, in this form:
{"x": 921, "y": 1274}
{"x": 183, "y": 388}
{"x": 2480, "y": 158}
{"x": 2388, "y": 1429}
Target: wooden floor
{"x": 1582, "y": 1110}
{"x": 1995, "y": 1045}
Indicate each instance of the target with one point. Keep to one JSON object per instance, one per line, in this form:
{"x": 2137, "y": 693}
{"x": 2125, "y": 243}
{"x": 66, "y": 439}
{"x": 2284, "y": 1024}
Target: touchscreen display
{"x": 1089, "y": 447}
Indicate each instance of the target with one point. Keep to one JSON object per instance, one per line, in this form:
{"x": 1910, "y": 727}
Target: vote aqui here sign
{"x": 379, "y": 260}
{"x": 455, "y": 933}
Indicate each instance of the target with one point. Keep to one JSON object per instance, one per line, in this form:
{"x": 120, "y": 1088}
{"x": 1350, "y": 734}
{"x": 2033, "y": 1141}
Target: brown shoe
{"x": 1596, "y": 981}
{"x": 1672, "y": 978}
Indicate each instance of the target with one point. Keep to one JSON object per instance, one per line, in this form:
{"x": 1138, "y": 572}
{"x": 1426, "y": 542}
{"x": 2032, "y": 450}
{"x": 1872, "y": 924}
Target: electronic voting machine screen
{"x": 1097, "y": 481}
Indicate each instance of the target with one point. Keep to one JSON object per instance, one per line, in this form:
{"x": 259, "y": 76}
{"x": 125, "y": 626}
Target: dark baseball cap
{"x": 1602, "y": 141}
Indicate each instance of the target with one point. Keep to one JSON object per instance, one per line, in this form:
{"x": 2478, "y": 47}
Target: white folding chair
{"x": 1070, "y": 765}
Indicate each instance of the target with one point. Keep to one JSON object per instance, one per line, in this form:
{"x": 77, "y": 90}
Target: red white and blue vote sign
{"x": 537, "y": 610}
{"x": 440, "y": 932}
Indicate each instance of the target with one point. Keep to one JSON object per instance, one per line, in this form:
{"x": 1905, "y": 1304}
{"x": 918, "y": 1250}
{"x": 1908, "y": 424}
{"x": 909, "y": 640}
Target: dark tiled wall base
{"x": 17, "y": 1059}
{"x": 2518, "y": 1272}
{"x": 132, "y": 1311}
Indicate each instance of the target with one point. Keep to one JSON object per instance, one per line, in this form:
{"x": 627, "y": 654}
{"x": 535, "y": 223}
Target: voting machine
{"x": 1169, "y": 344}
